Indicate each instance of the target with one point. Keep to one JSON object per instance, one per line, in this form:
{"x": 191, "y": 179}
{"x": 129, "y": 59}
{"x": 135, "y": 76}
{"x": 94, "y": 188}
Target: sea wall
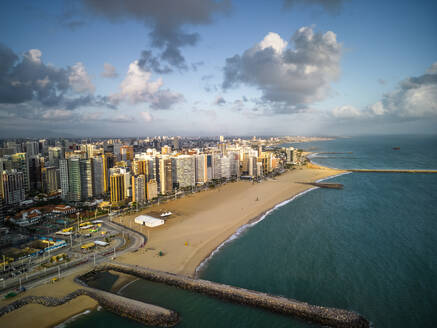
{"x": 317, "y": 314}
{"x": 142, "y": 312}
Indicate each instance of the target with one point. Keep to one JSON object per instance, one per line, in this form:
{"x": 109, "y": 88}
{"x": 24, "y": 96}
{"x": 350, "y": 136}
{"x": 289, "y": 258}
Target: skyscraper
{"x": 165, "y": 175}
{"x": 12, "y": 187}
{"x": 184, "y": 170}
{"x": 201, "y": 168}
{"x": 63, "y": 174}
{"x": 139, "y": 189}
{"x": 32, "y": 148}
{"x": 86, "y": 179}
{"x": 20, "y": 162}
{"x": 152, "y": 189}
{"x": 74, "y": 180}
{"x": 98, "y": 175}
{"x": 117, "y": 188}
{"x": 49, "y": 180}
{"x": 55, "y": 154}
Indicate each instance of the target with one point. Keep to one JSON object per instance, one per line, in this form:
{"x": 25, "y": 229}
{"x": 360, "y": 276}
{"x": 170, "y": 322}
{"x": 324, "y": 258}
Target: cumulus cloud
{"x": 109, "y": 71}
{"x": 167, "y": 19}
{"x": 137, "y": 87}
{"x": 288, "y": 77}
{"x": 79, "y": 79}
{"x": 31, "y": 89}
{"x": 414, "y": 98}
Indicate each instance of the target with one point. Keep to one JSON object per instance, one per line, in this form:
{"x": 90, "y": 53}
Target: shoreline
{"x": 196, "y": 234}
{"x": 203, "y": 223}
{"x": 258, "y": 219}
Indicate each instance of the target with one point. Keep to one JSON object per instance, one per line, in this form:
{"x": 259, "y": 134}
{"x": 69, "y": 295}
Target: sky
{"x": 109, "y": 68}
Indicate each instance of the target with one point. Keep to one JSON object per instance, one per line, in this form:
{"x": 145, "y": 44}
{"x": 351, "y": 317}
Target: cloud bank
{"x": 288, "y": 77}
{"x": 414, "y": 98}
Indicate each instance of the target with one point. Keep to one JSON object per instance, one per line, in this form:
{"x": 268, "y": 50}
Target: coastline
{"x": 258, "y": 219}
{"x": 203, "y": 223}
{"x": 200, "y": 229}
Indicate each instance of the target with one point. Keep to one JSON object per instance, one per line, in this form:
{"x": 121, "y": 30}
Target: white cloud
{"x": 346, "y": 111}
{"x": 137, "y": 87}
{"x": 80, "y": 80}
{"x": 288, "y": 76}
{"x": 414, "y": 98}
{"x": 274, "y": 41}
{"x": 34, "y": 55}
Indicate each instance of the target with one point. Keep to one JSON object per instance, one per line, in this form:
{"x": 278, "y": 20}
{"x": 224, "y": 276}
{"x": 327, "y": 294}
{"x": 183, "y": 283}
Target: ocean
{"x": 370, "y": 247}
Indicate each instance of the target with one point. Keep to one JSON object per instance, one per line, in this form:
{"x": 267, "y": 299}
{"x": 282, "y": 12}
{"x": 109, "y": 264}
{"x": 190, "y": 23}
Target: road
{"x": 136, "y": 240}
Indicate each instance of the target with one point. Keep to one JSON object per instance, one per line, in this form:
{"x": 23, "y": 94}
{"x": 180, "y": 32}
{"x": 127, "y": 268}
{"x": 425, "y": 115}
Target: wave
{"x": 71, "y": 319}
{"x": 257, "y": 220}
{"x": 122, "y": 288}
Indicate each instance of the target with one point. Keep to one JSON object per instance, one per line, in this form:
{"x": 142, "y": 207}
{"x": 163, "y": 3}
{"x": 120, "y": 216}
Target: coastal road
{"x": 136, "y": 240}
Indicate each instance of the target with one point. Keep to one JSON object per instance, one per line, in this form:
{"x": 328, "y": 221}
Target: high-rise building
{"x": 55, "y": 154}
{"x": 86, "y": 179}
{"x": 117, "y": 188}
{"x": 20, "y": 162}
{"x": 12, "y": 187}
{"x": 63, "y": 174}
{"x": 139, "y": 189}
{"x": 49, "y": 180}
{"x": 184, "y": 171}
{"x": 127, "y": 153}
{"x": 165, "y": 150}
{"x": 127, "y": 184}
{"x": 98, "y": 175}
{"x": 43, "y": 147}
{"x": 35, "y": 172}
{"x": 152, "y": 189}
{"x": 175, "y": 143}
{"x": 32, "y": 148}
{"x": 165, "y": 175}
{"x": 108, "y": 162}
{"x": 201, "y": 168}
{"x": 222, "y": 139}
{"x": 74, "y": 180}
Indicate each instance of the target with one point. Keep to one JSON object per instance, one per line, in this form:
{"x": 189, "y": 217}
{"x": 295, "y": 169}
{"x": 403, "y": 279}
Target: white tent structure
{"x": 148, "y": 221}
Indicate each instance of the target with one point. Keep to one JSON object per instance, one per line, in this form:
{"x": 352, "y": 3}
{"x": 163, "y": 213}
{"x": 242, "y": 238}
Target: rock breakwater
{"x": 317, "y": 314}
{"x": 142, "y": 312}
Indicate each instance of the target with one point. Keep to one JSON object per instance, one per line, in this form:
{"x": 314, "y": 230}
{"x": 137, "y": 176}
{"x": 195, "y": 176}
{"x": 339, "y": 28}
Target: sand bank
{"x": 36, "y": 315}
{"x": 203, "y": 221}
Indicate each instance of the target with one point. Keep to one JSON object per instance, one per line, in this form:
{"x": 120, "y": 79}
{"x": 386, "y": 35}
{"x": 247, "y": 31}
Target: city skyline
{"x": 100, "y": 69}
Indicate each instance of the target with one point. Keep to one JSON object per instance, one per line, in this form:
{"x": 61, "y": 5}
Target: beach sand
{"x": 204, "y": 220}
{"x": 36, "y": 315}
{"x": 200, "y": 223}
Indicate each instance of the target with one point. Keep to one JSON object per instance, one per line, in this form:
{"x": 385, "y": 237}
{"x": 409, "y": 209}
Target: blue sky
{"x": 356, "y": 67}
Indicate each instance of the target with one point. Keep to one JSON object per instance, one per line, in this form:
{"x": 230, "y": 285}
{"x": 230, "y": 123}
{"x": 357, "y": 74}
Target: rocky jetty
{"x": 317, "y": 314}
{"x": 144, "y": 313}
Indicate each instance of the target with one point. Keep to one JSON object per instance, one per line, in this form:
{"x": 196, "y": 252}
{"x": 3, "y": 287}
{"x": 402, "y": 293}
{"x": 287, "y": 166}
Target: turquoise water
{"x": 369, "y": 247}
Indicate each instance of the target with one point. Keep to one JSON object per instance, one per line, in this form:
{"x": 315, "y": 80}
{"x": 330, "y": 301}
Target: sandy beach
{"x": 200, "y": 223}
{"x": 204, "y": 220}
{"x": 36, "y": 315}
